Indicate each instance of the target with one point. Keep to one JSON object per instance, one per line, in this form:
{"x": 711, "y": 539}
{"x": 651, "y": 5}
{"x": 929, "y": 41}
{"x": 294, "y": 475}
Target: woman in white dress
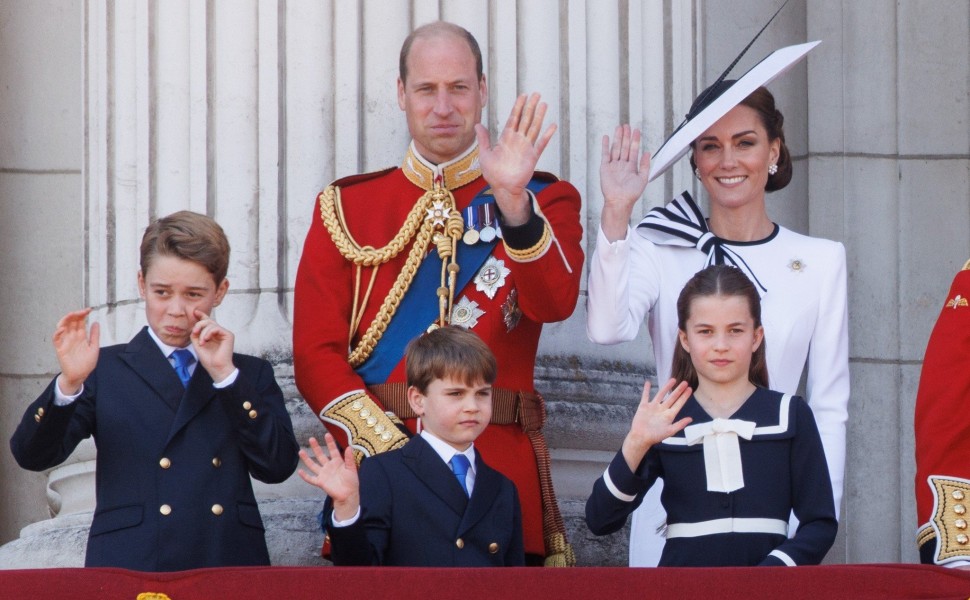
{"x": 637, "y": 274}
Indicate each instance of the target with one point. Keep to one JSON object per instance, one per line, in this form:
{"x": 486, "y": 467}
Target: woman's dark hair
{"x": 762, "y": 102}
{"x": 723, "y": 281}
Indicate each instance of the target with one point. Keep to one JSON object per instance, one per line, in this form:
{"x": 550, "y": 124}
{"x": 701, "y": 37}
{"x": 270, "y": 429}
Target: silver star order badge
{"x": 491, "y": 277}
{"x": 438, "y": 213}
{"x": 465, "y": 313}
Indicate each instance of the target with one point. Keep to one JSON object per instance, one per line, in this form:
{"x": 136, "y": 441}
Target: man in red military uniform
{"x": 943, "y": 434}
{"x": 463, "y": 233}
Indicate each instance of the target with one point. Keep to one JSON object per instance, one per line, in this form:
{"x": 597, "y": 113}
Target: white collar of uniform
{"x": 445, "y": 451}
{"x": 166, "y": 349}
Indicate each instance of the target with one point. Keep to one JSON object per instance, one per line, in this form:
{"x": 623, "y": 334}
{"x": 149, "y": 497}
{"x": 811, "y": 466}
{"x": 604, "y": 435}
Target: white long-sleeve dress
{"x": 804, "y": 313}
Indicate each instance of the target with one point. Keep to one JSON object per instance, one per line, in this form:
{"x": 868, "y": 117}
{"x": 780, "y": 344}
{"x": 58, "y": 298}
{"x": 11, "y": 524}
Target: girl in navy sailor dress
{"x": 736, "y": 458}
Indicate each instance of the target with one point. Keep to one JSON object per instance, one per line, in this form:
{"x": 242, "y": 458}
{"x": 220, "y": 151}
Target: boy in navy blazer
{"x": 412, "y": 506}
{"x": 179, "y": 420}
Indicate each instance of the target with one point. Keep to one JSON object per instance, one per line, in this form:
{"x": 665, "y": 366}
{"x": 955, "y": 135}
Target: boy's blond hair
{"x": 449, "y": 352}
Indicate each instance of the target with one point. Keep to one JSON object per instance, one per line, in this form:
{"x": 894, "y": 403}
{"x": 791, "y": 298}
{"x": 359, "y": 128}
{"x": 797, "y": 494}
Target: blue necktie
{"x": 183, "y": 360}
{"x": 459, "y": 465}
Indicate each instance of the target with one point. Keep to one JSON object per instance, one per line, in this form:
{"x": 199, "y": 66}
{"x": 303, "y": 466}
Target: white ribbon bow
{"x": 722, "y": 455}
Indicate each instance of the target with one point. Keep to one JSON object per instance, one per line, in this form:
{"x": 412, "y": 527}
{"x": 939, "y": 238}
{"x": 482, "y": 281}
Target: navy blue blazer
{"x": 414, "y": 513}
{"x": 173, "y": 464}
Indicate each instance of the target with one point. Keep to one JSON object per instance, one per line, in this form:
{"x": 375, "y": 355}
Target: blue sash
{"x": 418, "y": 308}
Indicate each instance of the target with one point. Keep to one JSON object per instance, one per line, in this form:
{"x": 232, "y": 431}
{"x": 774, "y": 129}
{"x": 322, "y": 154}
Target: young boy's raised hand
{"x": 335, "y": 475}
{"x": 77, "y": 352}
{"x": 654, "y": 420}
{"x": 213, "y": 344}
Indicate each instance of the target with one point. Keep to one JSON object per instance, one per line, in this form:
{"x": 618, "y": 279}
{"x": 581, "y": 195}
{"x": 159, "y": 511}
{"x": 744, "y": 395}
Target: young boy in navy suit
{"x": 179, "y": 420}
{"x": 433, "y": 502}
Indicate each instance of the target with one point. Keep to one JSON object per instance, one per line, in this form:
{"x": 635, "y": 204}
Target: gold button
{"x": 165, "y": 463}
{"x": 957, "y": 494}
{"x": 356, "y": 405}
{"x": 40, "y": 411}
{"x": 252, "y": 414}
{"x": 960, "y": 524}
{"x": 165, "y": 509}
{"x": 460, "y": 543}
{"x": 247, "y": 405}
{"x": 364, "y": 414}
{"x": 492, "y": 548}
{"x": 37, "y": 418}
{"x": 217, "y": 462}
{"x": 962, "y": 539}
{"x": 386, "y": 436}
{"x": 217, "y": 509}
{"x": 959, "y": 509}
{"x": 371, "y": 421}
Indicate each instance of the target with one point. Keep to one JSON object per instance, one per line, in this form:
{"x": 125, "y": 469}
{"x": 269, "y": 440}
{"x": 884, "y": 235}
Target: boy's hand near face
{"x": 213, "y": 344}
{"x": 77, "y": 352}
{"x": 334, "y": 475}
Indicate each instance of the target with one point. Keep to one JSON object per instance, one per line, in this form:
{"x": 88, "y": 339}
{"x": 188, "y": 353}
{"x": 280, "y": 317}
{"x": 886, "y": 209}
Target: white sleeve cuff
{"x": 347, "y": 522}
{"x": 615, "y": 490}
{"x": 783, "y": 557}
{"x": 62, "y": 400}
{"x": 227, "y": 381}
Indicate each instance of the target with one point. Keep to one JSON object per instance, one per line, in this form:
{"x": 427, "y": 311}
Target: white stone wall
{"x": 117, "y": 111}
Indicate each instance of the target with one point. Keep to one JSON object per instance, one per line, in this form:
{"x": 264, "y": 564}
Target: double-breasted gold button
{"x": 460, "y": 543}
{"x": 165, "y": 462}
{"x": 252, "y": 414}
{"x": 492, "y": 548}
{"x": 37, "y": 418}
{"x": 247, "y": 405}
{"x": 165, "y": 509}
{"x": 216, "y": 462}
{"x": 217, "y": 509}
{"x": 40, "y": 411}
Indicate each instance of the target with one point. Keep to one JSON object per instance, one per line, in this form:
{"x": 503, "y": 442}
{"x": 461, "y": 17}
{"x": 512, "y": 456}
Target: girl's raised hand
{"x": 654, "y": 420}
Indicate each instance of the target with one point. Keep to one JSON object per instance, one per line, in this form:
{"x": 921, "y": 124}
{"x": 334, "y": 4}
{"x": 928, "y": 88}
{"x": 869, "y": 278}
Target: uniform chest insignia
{"x": 797, "y": 265}
{"x": 511, "y": 313}
{"x": 438, "y": 213}
{"x": 957, "y": 302}
{"x": 491, "y": 277}
{"x": 466, "y": 313}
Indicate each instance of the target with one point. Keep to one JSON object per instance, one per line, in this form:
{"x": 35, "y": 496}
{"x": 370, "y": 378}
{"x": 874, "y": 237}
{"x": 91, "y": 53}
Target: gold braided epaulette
{"x": 369, "y": 429}
{"x": 951, "y": 497}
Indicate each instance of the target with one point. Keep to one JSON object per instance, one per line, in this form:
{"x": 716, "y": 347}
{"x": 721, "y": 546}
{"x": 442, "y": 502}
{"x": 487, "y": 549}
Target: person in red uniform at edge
{"x": 942, "y": 440}
{"x": 464, "y": 232}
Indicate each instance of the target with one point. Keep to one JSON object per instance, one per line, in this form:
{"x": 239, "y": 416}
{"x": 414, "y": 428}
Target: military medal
{"x": 471, "y": 226}
{"x": 438, "y": 213}
{"x": 466, "y": 313}
{"x": 511, "y": 313}
{"x": 487, "y": 233}
{"x": 491, "y": 276}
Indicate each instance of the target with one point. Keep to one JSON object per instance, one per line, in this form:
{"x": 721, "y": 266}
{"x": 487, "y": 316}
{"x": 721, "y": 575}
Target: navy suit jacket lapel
{"x": 434, "y": 474}
{"x": 199, "y": 393}
{"x": 487, "y": 485}
{"x": 145, "y": 358}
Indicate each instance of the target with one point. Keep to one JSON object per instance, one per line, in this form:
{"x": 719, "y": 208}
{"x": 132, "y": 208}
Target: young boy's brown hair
{"x": 449, "y": 352}
{"x": 189, "y": 236}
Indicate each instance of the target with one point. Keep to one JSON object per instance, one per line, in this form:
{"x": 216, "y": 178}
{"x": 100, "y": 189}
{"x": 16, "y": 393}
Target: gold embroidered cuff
{"x": 951, "y": 498}
{"x": 369, "y": 429}
{"x": 536, "y": 251}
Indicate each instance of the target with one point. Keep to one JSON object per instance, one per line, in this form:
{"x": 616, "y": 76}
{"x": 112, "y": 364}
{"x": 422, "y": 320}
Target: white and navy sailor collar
{"x": 770, "y": 411}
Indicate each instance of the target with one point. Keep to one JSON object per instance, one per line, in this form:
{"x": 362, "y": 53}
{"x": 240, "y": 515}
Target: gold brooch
{"x": 957, "y": 302}
{"x": 796, "y": 265}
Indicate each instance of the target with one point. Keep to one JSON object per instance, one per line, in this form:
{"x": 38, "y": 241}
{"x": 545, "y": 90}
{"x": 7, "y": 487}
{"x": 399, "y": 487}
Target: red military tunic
{"x": 541, "y": 286}
{"x": 943, "y": 433}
